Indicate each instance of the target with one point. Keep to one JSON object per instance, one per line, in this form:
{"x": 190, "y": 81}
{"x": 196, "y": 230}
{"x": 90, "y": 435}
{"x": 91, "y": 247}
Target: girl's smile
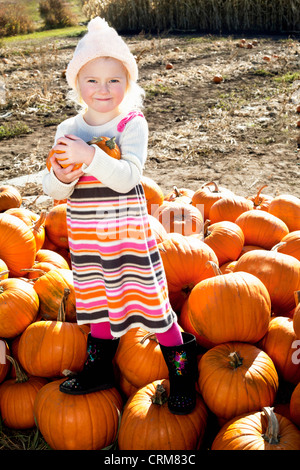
{"x": 102, "y": 84}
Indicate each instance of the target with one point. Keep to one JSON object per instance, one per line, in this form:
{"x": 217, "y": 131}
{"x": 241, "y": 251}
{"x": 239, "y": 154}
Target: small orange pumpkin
{"x": 105, "y": 143}
{"x": 9, "y": 197}
{"x": 56, "y": 225}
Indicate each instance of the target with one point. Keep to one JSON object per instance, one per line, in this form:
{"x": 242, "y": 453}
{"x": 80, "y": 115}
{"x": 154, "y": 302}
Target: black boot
{"x": 97, "y": 373}
{"x": 183, "y": 372}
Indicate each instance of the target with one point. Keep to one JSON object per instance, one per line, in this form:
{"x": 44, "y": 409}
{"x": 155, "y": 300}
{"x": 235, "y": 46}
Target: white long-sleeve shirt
{"x": 119, "y": 175}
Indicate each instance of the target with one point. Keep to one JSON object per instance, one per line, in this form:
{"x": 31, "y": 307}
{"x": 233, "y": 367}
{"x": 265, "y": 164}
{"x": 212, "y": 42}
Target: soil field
{"x": 241, "y": 133}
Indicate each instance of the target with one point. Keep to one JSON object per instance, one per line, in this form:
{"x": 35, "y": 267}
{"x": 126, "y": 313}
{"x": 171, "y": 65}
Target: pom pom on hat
{"x": 97, "y": 24}
{"x": 101, "y": 40}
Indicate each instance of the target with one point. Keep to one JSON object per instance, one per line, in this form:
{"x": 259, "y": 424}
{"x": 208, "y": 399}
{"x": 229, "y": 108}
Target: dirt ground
{"x": 241, "y": 133}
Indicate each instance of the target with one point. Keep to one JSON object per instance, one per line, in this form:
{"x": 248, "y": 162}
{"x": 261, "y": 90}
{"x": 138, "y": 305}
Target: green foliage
{"x": 8, "y": 131}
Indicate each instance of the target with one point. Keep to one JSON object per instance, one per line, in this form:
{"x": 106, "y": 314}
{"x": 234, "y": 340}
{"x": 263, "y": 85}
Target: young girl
{"x": 118, "y": 274}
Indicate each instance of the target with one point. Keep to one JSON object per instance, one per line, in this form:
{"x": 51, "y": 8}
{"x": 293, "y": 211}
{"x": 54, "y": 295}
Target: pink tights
{"x": 171, "y": 337}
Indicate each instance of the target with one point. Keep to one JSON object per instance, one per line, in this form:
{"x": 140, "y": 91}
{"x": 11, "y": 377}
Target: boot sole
{"x": 85, "y": 392}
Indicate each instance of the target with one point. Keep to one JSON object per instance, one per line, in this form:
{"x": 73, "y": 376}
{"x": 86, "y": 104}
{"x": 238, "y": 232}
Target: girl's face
{"x": 102, "y": 84}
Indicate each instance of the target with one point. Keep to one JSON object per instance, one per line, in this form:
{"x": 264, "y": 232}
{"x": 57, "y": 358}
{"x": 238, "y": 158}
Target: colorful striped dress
{"x": 117, "y": 269}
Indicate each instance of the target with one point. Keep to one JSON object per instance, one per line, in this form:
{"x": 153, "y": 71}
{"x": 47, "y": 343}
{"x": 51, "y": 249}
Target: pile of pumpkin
{"x": 232, "y": 265}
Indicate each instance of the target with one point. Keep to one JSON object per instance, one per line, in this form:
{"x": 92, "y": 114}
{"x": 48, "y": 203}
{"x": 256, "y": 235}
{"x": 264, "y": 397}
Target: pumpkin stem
{"x": 215, "y": 267}
{"x": 278, "y": 245}
{"x": 235, "y": 360}
{"x": 111, "y": 143}
{"x": 257, "y": 197}
{"x": 176, "y": 191}
{"x": 272, "y": 433}
{"x": 21, "y": 376}
{"x": 40, "y": 222}
{"x": 216, "y": 187}
{"x": 151, "y": 336}
{"x": 205, "y": 228}
{"x": 62, "y": 308}
{"x": 160, "y": 397}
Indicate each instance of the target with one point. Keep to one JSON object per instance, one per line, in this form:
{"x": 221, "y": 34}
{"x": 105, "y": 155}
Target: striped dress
{"x": 117, "y": 269}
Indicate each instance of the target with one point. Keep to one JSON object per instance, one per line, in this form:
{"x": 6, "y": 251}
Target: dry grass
{"x": 198, "y": 15}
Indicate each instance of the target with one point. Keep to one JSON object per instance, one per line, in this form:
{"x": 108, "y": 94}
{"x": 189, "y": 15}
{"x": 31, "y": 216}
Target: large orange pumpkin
{"x": 230, "y": 307}
{"x": 260, "y": 430}
{"x": 229, "y": 208}
{"x": 147, "y": 423}
{"x": 280, "y": 274}
{"x": 19, "y": 305}
{"x": 139, "y": 358}
{"x": 77, "y": 422}
{"x": 48, "y": 348}
{"x": 281, "y": 344}
{"x": 185, "y": 264}
{"x": 236, "y": 378}
{"x": 226, "y": 239}
{"x": 17, "y": 397}
{"x": 17, "y": 244}
{"x": 261, "y": 228}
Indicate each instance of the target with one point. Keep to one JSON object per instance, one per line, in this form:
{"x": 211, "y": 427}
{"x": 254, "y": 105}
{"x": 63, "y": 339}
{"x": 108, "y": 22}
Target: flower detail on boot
{"x": 92, "y": 353}
{"x": 177, "y": 362}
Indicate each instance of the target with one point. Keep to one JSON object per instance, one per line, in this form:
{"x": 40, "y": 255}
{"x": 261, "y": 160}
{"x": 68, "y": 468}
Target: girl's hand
{"x": 75, "y": 150}
{"x": 65, "y": 175}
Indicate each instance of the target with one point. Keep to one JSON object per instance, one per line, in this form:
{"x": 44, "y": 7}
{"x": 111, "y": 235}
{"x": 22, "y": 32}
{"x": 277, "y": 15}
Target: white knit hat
{"x": 100, "y": 41}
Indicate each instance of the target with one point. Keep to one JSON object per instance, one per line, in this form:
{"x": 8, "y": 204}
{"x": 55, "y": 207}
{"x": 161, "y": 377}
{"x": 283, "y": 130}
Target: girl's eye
{"x": 91, "y": 80}
{"x": 114, "y": 80}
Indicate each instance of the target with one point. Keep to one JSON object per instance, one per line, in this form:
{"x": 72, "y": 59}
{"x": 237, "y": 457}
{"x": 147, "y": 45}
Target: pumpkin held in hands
{"x": 105, "y": 143}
